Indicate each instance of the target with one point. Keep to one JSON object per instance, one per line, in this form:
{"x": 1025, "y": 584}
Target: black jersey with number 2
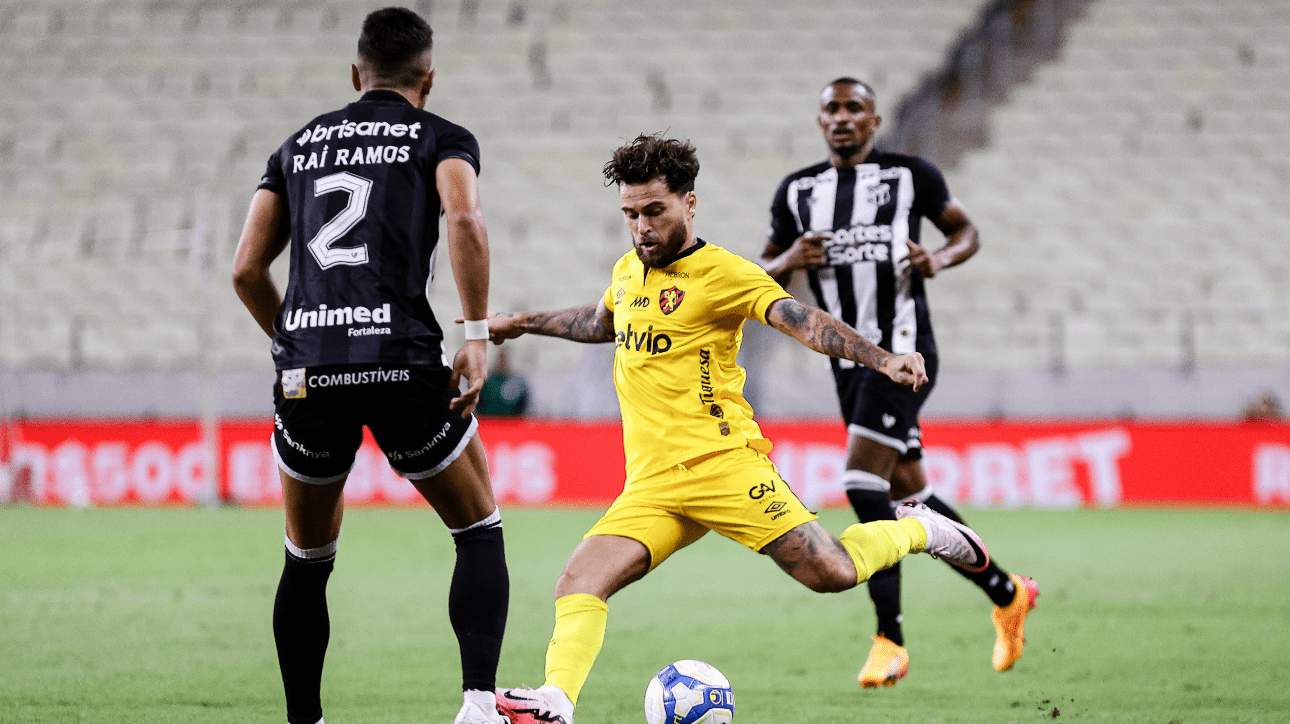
{"x": 359, "y": 184}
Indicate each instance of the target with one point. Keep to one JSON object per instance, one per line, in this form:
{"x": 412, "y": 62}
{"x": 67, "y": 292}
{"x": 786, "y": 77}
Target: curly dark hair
{"x": 392, "y": 43}
{"x": 653, "y": 156}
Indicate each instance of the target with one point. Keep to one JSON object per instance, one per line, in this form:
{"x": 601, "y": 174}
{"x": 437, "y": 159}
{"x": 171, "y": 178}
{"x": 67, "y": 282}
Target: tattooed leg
{"x": 812, "y": 556}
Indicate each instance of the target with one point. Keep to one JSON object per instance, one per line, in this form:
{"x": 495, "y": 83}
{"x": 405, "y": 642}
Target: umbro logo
{"x": 888, "y": 420}
{"x": 776, "y": 506}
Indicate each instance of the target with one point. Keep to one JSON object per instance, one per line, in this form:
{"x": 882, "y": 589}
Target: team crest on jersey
{"x": 879, "y": 195}
{"x": 293, "y": 384}
{"x": 670, "y": 299}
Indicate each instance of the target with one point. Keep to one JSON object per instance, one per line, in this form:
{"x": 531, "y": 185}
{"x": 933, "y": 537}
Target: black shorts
{"x": 320, "y": 413}
{"x": 875, "y": 407}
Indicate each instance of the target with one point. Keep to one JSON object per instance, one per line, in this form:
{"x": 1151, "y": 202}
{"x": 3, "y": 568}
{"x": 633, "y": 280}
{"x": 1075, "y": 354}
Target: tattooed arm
{"x": 592, "y": 323}
{"x": 824, "y": 334}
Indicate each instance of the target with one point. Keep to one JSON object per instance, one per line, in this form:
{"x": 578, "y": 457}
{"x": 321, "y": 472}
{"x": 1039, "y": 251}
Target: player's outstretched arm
{"x": 468, "y": 248}
{"x": 263, "y": 238}
{"x": 593, "y": 323}
{"x": 824, "y": 334}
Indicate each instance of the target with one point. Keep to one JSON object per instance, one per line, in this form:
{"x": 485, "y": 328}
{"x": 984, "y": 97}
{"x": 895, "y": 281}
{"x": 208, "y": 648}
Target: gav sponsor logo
{"x": 631, "y": 340}
{"x": 324, "y": 317}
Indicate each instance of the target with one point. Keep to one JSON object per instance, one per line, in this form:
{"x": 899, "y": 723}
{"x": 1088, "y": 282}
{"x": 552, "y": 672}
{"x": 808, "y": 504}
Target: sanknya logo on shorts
{"x": 337, "y": 316}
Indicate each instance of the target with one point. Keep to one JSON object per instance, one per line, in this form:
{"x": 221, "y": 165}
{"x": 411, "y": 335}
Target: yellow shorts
{"x": 738, "y": 493}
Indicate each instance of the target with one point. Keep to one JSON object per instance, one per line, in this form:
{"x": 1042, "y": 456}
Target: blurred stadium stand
{"x": 1127, "y": 192}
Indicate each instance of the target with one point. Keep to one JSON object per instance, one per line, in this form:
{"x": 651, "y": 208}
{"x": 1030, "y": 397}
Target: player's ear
{"x": 877, "y": 121}
{"x": 355, "y": 78}
{"x": 423, "y": 90}
{"x": 691, "y": 200}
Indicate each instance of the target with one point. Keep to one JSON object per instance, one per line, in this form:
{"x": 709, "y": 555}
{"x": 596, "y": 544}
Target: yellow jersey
{"x": 677, "y": 334}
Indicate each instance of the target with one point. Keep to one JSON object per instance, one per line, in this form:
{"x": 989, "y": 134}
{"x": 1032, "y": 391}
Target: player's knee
{"x": 572, "y": 580}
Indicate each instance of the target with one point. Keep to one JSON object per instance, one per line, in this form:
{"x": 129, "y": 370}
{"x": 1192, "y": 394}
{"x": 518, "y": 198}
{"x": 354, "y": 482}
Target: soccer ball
{"x": 689, "y": 692}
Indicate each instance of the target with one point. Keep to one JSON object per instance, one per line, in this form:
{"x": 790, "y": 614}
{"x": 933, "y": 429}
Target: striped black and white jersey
{"x": 871, "y": 209}
{"x": 359, "y": 185}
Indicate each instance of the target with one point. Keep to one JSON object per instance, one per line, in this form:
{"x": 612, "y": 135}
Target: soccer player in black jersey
{"x": 360, "y": 191}
{"x": 852, "y": 223}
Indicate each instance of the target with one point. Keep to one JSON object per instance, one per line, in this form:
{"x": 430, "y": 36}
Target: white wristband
{"x": 476, "y": 328}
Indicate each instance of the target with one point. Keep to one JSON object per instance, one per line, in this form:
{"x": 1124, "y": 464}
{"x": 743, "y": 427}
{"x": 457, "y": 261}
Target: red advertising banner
{"x": 1004, "y": 464}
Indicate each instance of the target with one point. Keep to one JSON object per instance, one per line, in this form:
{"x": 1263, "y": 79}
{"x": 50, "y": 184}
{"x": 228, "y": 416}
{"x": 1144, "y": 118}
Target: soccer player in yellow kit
{"x": 696, "y": 460}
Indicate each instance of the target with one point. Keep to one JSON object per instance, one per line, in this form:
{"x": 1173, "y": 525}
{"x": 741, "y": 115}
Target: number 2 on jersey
{"x": 360, "y": 190}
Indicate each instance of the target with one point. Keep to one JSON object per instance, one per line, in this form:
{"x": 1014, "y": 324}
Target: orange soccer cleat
{"x": 1010, "y": 623}
{"x": 887, "y": 664}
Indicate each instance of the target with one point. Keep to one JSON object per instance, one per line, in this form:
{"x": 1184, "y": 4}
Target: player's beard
{"x": 846, "y": 149}
{"x": 665, "y": 252}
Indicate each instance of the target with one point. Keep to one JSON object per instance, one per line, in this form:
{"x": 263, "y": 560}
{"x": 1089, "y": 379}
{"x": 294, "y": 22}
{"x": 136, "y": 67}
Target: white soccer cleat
{"x": 479, "y": 707}
{"x": 952, "y": 542}
{"x": 543, "y": 705}
{"x": 472, "y": 714}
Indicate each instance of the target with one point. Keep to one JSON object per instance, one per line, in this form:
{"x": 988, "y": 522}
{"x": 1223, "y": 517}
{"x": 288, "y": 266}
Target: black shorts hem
{"x": 310, "y": 479}
{"x": 878, "y": 437}
{"x": 448, "y": 459}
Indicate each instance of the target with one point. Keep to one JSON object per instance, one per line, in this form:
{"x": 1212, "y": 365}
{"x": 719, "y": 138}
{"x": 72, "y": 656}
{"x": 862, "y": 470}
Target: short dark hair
{"x": 848, "y": 80}
{"x": 653, "y": 156}
{"x": 391, "y": 44}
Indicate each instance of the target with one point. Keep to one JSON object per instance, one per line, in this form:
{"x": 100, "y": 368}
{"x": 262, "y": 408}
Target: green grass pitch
{"x": 164, "y": 616}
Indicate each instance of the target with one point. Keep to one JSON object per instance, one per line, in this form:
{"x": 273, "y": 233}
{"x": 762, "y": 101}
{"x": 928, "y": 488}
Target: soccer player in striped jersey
{"x": 696, "y": 459}
{"x": 853, "y": 224}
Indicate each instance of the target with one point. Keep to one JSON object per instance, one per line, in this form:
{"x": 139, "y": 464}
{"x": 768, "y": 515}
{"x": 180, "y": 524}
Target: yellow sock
{"x": 579, "y": 632}
{"x": 878, "y": 545}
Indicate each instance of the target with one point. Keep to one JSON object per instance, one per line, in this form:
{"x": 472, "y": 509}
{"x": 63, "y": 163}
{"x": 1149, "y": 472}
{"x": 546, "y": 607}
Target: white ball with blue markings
{"x": 689, "y": 692}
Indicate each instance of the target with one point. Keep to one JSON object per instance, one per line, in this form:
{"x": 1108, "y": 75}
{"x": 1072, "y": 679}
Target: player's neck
{"x": 413, "y": 95}
{"x": 838, "y": 160}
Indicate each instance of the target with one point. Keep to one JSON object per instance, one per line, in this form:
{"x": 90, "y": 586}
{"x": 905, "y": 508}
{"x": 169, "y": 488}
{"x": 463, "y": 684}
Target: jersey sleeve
{"x": 456, "y": 142}
{"x": 783, "y": 229}
{"x": 746, "y": 290}
{"x": 931, "y": 195}
{"x": 274, "y": 179}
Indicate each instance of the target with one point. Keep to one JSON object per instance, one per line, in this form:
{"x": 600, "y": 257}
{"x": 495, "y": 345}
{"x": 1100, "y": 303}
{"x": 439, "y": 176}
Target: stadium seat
{"x": 1117, "y": 181}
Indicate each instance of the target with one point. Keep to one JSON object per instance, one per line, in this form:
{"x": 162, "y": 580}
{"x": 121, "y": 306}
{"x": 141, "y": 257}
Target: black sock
{"x": 884, "y": 586}
{"x": 300, "y": 630}
{"x": 477, "y": 603}
{"x": 993, "y": 580}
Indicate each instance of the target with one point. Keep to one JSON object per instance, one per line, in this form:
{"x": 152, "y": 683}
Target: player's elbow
{"x": 970, "y": 240}
{"x": 467, "y": 227}
{"x": 243, "y": 277}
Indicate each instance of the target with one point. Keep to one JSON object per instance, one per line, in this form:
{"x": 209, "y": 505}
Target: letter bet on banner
{"x": 1057, "y": 465}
